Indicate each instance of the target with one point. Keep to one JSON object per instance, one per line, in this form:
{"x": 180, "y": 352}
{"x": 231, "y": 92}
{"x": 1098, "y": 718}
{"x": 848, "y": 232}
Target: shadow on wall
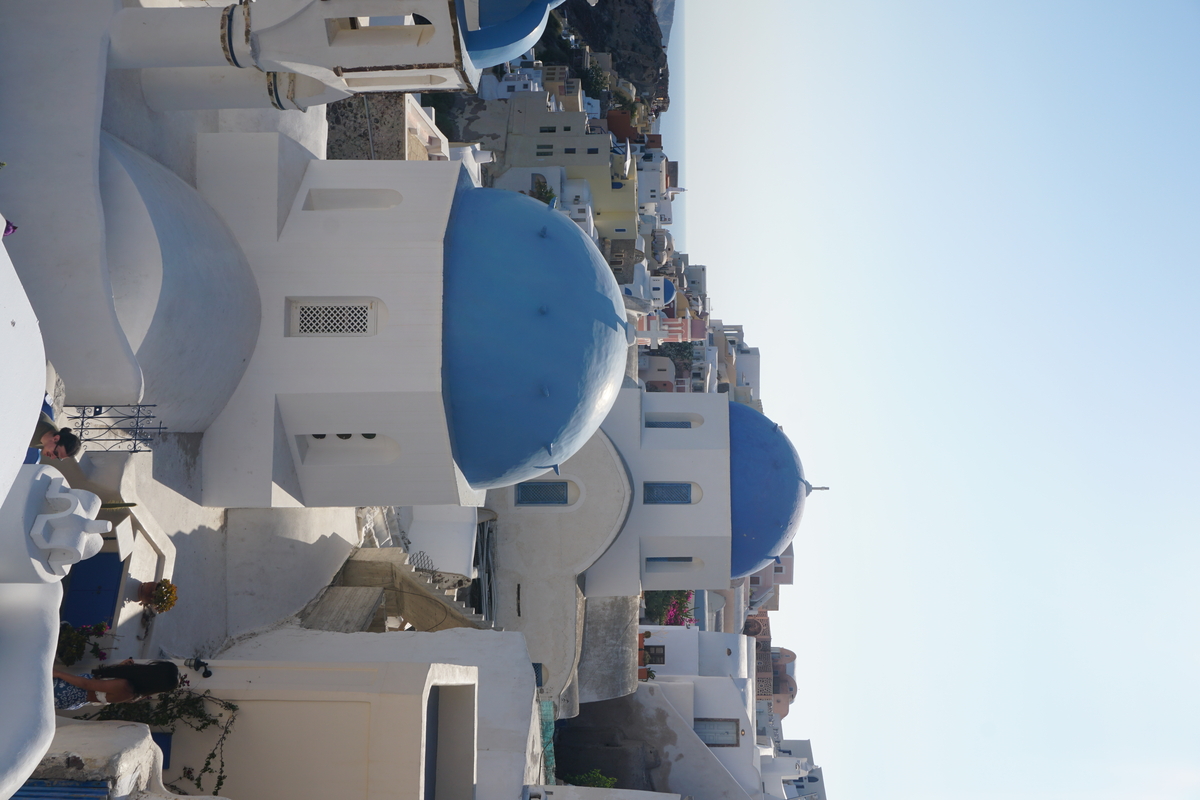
{"x": 277, "y": 559}
{"x": 596, "y": 739}
{"x": 177, "y": 463}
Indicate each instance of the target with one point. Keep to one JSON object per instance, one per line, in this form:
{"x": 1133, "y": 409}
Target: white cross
{"x": 655, "y": 336}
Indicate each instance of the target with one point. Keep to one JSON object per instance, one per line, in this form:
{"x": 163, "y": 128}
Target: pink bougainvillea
{"x": 678, "y": 612}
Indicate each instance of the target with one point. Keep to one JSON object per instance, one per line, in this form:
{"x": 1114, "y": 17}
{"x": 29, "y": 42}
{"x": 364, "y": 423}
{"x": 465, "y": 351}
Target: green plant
{"x": 594, "y": 81}
{"x": 168, "y": 710}
{"x": 165, "y": 596}
{"x": 661, "y": 604}
{"x": 74, "y": 642}
{"x": 542, "y": 191}
{"x": 594, "y": 778}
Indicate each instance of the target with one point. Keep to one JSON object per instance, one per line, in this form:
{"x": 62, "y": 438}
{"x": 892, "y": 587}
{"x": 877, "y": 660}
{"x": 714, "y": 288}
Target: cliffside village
{"x": 459, "y": 487}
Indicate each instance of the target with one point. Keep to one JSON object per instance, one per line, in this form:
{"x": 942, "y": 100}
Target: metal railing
{"x": 128, "y": 427}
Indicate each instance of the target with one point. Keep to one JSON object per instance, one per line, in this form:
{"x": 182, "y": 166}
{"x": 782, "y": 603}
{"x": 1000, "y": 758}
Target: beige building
{"x": 539, "y": 136}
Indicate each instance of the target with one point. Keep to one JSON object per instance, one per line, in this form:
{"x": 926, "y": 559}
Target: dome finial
{"x": 809, "y": 488}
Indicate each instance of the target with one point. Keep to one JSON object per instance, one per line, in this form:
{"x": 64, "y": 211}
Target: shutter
{"x": 667, "y": 493}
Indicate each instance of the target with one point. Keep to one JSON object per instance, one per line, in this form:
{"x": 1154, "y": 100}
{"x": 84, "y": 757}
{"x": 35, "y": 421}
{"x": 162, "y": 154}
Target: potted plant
{"x": 74, "y": 642}
{"x": 160, "y": 596}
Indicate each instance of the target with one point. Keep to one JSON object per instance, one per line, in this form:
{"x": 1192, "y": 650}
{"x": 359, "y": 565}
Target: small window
{"x": 593, "y": 151}
{"x": 548, "y": 129}
{"x": 656, "y": 654}
{"x": 566, "y": 128}
{"x": 542, "y": 493}
{"x": 717, "y": 732}
{"x": 755, "y": 580}
{"x": 666, "y": 493}
{"x": 779, "y": 568}
{"x": 675, "y": 419}
{"x": 657, "y": 565}
{"x": 620, "y": 230}
{"x": 512, "y": 88}
{"x": 569, "y": 150}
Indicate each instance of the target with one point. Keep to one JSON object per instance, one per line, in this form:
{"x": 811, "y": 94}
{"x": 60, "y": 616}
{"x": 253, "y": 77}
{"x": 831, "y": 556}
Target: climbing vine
{"x": 167, "y": 710}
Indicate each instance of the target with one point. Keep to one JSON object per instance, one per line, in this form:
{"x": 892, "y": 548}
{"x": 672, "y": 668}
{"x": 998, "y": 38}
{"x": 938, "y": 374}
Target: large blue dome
{"x": 507, "y": 28}
{"x": 534, "y": 337}
{"x": 767, "y": 490}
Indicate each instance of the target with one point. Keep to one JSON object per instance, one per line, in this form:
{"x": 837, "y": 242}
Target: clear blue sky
{"x": 966, "y": 237}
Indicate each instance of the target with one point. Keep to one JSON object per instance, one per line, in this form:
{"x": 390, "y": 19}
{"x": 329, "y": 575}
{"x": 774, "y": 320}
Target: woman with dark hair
{"x": 119, "y": 683}
{"x": 54, "y": 442}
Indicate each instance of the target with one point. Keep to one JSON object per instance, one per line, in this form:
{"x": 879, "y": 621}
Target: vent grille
{"x": 333, "y": 316}
{"x": 325, "y": 320}
{"x": 668, "y": 423}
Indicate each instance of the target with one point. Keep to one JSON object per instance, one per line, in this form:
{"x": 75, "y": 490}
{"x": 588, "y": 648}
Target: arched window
{"x": 671, "y": 494}
{"x": 673, "y": 419}
{"x": 546, "y": 493}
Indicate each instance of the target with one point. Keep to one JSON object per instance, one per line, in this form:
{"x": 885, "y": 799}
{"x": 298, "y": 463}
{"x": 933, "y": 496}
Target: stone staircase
{"x": 378, "y": 586}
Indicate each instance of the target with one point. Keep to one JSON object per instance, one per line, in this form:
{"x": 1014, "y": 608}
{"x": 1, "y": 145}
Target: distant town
{"x": 375, "y": 412}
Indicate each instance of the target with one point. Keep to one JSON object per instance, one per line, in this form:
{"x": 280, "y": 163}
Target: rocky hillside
{"x": 629, "y": 30}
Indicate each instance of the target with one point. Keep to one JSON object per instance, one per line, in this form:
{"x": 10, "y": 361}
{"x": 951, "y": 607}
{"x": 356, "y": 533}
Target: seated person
{"x": 54, "y": 442}
{"x": 119, "y": 683}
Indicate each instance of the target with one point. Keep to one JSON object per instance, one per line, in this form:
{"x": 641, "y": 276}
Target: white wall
{"x": 23, "y": 362}
{"x": 702, "y": 530}
{"x": 313, "y": 730}
{"x": 509, "y": 730}
{"x": 543, "y": 549}
{"x": 31, "y": 567}
{"x": 725, "y": 698}
{"x": 302, "y": 243}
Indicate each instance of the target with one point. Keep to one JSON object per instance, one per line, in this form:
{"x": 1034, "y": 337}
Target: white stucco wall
{"x": 23, "y": 361}
{"x": 509, "y": 731}
{"x": 50, "y": 189}
{"x": 699, "y": 455}
{"x": 388, "y": 384}
{"x": 543, "y": 549}
{"x": 687, "y": 766}
{"x": 120, "y": 752}
{"x": 722, "y": 698}
{"x": 691, "y": 651}
{"x": 64, "y": 531}
{"x": 318, "y": 729}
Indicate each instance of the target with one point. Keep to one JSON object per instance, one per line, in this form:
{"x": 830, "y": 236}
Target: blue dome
{"x": 534, "y": 337}
{"x": 668, "y": 292}
{"x": 767, "y": 490}
{"x": 507, "y": 28}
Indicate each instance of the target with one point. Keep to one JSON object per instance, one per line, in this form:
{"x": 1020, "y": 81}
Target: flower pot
{"x": 146, "y": 592}
{"x": 643, "y": 674}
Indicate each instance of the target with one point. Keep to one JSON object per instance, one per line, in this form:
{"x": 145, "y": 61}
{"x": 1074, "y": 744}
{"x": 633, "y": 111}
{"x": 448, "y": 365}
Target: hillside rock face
{"x": 629, "y": 30}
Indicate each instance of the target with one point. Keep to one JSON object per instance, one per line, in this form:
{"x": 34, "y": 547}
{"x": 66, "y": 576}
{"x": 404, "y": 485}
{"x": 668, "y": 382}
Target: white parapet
{"x": 30, "y": 593}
